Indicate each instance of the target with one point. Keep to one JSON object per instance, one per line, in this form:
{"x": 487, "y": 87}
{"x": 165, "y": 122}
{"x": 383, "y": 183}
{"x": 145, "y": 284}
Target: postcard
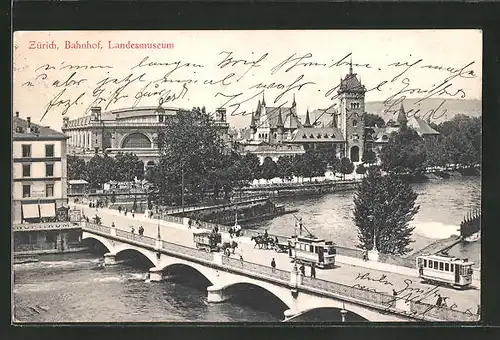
{"x": 246, "y": 176}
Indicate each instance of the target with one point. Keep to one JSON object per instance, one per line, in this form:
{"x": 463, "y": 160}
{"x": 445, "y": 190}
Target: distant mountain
{"x": 450, "y": 108}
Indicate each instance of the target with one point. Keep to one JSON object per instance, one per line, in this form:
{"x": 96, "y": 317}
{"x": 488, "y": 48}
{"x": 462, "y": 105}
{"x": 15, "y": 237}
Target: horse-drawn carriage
{"x": 208, "y": 241}
{"x": 264, "y": 241}
{"x": 282, "y": 247}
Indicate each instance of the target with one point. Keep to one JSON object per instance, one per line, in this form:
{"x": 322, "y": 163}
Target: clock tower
{"x": 352, "y": 115}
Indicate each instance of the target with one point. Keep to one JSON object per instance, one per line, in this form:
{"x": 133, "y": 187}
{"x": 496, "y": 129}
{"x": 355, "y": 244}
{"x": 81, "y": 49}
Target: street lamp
{"x": 343, "y": 312}
{"x": 373, "y": 254}
{"x": 182, "y": 184}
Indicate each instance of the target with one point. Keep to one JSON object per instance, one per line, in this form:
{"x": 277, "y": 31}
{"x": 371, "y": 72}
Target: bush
{"x": 360, "y": 169}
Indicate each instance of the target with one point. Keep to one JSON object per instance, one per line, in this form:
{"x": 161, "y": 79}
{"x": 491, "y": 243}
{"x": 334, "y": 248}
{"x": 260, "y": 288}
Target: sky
{"x": 234, "y": 69}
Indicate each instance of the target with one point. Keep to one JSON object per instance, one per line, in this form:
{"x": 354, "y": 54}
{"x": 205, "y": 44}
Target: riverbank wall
{"x": 47, "y": 238}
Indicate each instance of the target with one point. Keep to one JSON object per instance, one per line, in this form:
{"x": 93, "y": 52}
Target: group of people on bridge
{"x": 125, "y": 211}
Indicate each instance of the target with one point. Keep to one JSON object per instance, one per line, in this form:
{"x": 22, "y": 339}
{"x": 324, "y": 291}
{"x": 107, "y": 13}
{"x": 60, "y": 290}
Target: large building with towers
{"x": 278, "y": 131}
{"x": 132, "y": 130}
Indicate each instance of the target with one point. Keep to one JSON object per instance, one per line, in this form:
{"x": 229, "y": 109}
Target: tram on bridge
{"x": 311, "y": 249}
{"x": 444, "y": 269}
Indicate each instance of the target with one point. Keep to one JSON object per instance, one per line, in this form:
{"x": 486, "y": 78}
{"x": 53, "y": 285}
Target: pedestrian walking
{"x": 241, "y": 260}
{"x": 394, "y": 293}
{"x": 132, "y": 230}
{"x": 302, "y": 269}
{"x": 313, "y": 271}
{"x": 420, "y": 269}
{"x": 141, "y": 230}
{"x": 439, "y": 301}
{"x": 189, "y": 223}
{"x": 119, "y": 209}
{"x": 113, "y": 225}
{"x": 273, "y": 265}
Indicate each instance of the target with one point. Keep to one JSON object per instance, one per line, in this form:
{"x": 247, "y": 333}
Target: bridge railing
{"x": 97, "y": 227}
{"x": 135, "y": 237}
{"x": 256, "y": 268}
{"x": 349, "y": 291}
{"x": 443, "y": 313}
{"x": 192, "y": 252}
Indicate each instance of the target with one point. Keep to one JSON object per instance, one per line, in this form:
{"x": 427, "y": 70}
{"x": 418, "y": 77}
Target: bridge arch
{"x": 189, "y": 274}
{"x": 124, "y": 249}
{"x": 323, "y": 314}
{"x": 261, "y": 293}
{"x": 100, "y": 240}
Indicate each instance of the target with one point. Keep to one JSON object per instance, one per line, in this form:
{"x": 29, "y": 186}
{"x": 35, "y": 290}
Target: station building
{"x": 128, "y": 130}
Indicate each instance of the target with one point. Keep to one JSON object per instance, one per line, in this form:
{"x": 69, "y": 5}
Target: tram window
{"x": 451, "y": 267}
{"x": 430, "y": 264}
{"x": 436, "y": 265}
{"x": 447, "y": 267}
{"x": 312, "y": 249}
{"x": 441, "y": 265}
{"x": 307, "y": 247}
{"x": 425, "y": 263}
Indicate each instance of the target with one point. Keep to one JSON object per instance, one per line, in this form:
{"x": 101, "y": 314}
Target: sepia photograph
{"x": 265, "y": 176}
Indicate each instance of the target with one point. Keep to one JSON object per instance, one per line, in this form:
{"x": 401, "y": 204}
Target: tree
{"x": 126, "y": 166}
{"x": 76, "y": 167}
{"x": 372, "y": 120}
{"x": 384, "y": 206}
{"x": 360, "y": 169}
{"x": 268, "y": 169}
{"x": 191, "y": 151}
{"x": 404, "y": 153}
{"x": 346, "y": 166}
{"x": 100, "y": 170}
{"x": 369, "y": 157}
{"x": 252, "y": 164}
{"x": 285, "y": 167}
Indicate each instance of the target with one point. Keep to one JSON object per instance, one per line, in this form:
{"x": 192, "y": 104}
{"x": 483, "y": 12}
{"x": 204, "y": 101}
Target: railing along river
{"x": 382, "y": 301}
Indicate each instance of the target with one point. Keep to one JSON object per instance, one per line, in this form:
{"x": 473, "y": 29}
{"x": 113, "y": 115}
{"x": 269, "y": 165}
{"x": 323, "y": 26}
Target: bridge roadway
{"x": 348, "y": 271}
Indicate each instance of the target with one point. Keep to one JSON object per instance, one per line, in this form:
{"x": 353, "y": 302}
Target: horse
{"x": 262, "y": 241}
{"x": 229, "y": 245}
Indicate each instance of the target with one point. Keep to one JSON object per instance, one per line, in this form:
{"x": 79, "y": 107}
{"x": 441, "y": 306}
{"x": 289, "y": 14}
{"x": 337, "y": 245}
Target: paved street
{"x": 347, "y": 274}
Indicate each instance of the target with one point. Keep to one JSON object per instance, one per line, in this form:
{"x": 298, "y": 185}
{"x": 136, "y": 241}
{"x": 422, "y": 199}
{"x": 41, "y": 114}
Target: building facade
{"x": 131, "y": 130}
{"x": 39, "y": 172}
{"x": 340, "y": 129}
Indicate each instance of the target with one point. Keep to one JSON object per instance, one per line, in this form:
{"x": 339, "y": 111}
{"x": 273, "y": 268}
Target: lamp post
{"x": 343, "y": 313}
{"x": 373, "y": 254}
{"x": 182, "y": 185}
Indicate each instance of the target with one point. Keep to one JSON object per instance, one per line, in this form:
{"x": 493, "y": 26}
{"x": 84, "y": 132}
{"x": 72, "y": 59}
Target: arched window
{"x": 311, "y": 136}
{"x": 354, "y": 123}
{"x": 136, "y": 141}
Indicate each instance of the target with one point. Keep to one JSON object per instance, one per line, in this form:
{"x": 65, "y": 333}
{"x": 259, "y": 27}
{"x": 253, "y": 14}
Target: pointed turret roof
{"x": 308, "y": 120}
{"x": 252, "y": 122}
{"x": 263, "y": 100}
{"x": 279, "y": 123}
{"x": 294, "y": 103}
{"x": 402, "y": 116}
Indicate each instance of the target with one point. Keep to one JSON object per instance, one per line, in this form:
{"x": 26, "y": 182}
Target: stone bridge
{"x": 299, "y": 293}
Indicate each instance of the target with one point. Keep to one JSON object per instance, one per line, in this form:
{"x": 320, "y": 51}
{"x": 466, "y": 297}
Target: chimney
{"x": 28, "y": 119}
{"x": 17, "y": 114}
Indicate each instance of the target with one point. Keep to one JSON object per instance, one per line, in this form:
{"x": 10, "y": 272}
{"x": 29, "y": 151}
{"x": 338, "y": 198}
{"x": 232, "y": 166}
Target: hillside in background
{"x": 470, "y": 107}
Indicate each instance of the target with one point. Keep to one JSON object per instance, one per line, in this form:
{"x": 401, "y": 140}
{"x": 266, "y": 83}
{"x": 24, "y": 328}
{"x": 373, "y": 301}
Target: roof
{"x": 125, "y": 113}
{"x": 351, "y": 83}
{"x": 265, "y": 147}
{"x": 20, "y": 131}
{"x": 421, "y": 126}
{"x": 317, "y": 135}
{"x": 288, "y": 117}
{"x": 322, "y": 117}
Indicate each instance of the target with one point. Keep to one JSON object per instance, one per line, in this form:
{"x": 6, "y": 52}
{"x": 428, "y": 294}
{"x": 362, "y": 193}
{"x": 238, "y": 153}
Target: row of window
{"x": 49, "y": 190}
{"x": 438, "y": 266}
{"x": 318, "y": 136}
{"x": 355, "y": 105}
{"x": 49, "y": 150}
{"x": 49, "y": 170}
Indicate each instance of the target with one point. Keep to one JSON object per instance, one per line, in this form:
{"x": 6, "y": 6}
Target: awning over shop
{"x": 47, "y": 210}
{"x": 30, "y": 211}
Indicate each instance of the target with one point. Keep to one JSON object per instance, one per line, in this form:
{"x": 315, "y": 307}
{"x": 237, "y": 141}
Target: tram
{"x": 310, "y": 249}
{"x": 444, "y": 269}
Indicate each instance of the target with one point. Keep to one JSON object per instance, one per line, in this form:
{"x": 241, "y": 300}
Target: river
{"x": 68, "y": 288}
